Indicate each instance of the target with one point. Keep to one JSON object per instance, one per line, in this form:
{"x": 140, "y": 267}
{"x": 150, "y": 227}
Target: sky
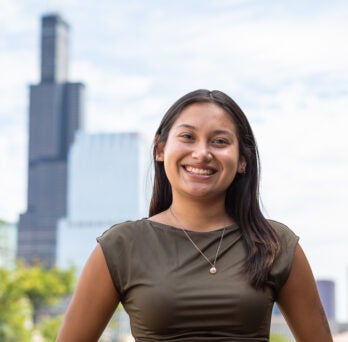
{"x": 284, "y": 62}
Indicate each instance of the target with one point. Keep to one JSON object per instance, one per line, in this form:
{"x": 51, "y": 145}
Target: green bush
{"x": 49, "y": 327}
{"x": 23, "y": 292}
{"x": 15, "y": 310}
{"x": 278, "y": 338}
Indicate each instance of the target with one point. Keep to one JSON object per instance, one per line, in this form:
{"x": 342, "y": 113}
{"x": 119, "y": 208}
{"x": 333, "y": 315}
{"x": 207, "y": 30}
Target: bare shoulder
{"x": 93, "y": 303}
{"x": 300, "y": 303}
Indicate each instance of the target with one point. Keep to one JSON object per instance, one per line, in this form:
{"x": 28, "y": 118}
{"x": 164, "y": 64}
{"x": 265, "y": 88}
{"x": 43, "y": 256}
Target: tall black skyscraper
{"x": 55, "y": 113}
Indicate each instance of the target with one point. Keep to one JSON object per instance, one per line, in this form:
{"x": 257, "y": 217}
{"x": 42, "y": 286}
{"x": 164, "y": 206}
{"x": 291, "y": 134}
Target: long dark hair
{"x": 242, "y": 197}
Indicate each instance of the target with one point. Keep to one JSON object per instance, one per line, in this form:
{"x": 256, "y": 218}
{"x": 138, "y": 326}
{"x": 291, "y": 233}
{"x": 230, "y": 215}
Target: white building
{"x": 108, "y": 182}
{"x": 8, "y": 242}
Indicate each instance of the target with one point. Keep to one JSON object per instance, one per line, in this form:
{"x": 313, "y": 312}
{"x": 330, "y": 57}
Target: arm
{"x": 93, "y": 302}
{"x": 300, "y": 303}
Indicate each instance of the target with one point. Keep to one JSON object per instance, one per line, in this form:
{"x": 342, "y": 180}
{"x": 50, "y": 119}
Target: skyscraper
{"x": 108, "y": 183}
{"x": 55, "y": 113}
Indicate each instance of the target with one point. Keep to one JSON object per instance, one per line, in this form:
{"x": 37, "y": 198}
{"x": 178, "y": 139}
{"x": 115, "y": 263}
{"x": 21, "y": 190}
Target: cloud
{"x": 303, "y": 150}
{"x": 285, "y": 63}
{"x": 13, "y": 171}
{"x": 274, "y": 64}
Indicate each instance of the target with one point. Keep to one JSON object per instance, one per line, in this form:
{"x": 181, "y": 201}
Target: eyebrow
{"x": 217, "y": 131}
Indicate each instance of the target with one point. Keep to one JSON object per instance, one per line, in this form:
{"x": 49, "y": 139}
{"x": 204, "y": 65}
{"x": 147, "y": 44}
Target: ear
{"x": 159, "y": 148}
{"x": 159, "y": 155}
{"x": 242, "y": 166}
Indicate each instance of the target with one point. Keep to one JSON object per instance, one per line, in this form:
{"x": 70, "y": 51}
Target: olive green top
{"x": 166, "y": 288}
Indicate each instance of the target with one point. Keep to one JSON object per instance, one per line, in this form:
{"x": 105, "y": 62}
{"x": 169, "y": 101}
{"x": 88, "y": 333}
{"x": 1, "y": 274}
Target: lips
{"x": 199, "y": 171}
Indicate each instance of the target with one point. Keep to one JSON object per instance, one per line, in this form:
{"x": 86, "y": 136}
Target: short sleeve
{"x": 282, "y": 266}
{"x": 113, "y": 243}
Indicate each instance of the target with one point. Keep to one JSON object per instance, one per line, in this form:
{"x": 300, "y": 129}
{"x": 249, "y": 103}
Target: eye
{"x": 220, "y": 141}
{"x": 186, "y": 136}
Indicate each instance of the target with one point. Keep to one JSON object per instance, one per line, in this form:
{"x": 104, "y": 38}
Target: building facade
{"x": 326, "y": 290}
{"x": 108, "y": 182}
{"x": 55, "y": 114}
{"x": 8, "y": 242}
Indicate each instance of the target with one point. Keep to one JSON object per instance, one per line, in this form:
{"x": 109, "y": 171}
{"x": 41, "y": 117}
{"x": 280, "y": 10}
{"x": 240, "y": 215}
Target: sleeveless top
{"x": 166, "y": 288}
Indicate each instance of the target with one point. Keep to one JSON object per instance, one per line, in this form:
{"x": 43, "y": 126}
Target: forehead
{"x": 205, "y": 114}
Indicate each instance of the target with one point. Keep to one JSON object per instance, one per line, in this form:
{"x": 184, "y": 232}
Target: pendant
{"x": 212, "y": 270}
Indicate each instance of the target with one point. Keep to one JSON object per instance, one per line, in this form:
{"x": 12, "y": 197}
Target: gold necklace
{"x": 212, "y": 269}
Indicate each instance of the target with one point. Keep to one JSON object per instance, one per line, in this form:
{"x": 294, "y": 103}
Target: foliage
{"x": 23, "y": 292}
{"x": 49, "y": 327}
{"x": 15, "y": 310}
{"x": 44, "y": 286}
{"x": 278, "y": 338}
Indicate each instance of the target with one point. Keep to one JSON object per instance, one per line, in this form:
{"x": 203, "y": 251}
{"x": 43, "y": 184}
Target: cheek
{"x": 175, "y": 151}
{"x": 171, "y": 158}
{"x": 230, "y": 157}
{"x": 230, "y": 161}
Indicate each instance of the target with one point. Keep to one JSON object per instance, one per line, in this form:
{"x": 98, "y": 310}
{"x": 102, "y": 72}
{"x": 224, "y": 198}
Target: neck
{"x": 199, "y": 216}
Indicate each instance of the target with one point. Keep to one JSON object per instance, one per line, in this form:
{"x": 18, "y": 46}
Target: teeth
{"x": 199, "y": 171}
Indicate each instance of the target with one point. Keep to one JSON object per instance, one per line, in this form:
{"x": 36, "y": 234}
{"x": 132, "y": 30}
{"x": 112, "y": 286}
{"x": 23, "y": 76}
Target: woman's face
{"x": 201, "y": 154}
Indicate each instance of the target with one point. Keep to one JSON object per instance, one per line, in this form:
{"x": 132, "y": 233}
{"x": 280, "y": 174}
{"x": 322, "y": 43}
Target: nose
{"x": 201, "y": 153}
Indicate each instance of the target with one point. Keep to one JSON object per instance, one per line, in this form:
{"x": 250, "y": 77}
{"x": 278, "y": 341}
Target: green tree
{"x": 49, "y": 327}
{"x": 278, "y": 338}
{"x": 15, "y": 310}
{"x": 23, "y": 292}
{"x": 44, "y": 286}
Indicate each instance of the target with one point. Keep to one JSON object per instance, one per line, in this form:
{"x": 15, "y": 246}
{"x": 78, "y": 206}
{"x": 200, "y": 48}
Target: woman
{"x": 206, "y": 265}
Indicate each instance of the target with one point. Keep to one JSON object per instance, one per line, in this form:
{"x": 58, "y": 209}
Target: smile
{"x": 199, "y": 171}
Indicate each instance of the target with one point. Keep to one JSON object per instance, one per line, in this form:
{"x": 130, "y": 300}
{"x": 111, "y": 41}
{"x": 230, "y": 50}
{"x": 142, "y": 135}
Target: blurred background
{"x": 84, "y": 85}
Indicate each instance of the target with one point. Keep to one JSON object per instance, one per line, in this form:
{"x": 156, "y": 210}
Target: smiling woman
{"x": 206, "y": 265}
{"x": 200, "y": 158}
